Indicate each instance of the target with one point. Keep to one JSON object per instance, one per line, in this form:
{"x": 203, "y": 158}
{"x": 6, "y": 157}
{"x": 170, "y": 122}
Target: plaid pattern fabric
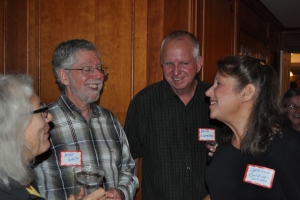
{"x": 102, "y": 142}
{"x": 164, "y": 132}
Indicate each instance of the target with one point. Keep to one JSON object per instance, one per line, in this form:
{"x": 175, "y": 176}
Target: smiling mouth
{"x": 177, "y": 79}
{"x": 93, "y": 86}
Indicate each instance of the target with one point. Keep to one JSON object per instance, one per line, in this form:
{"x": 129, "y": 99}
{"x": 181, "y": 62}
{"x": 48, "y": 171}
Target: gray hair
{"x": 15, "y": 101}
{"x": 64, "y": 56}
{"x": 289, "y": 94}
{"x": 177, "y": 35}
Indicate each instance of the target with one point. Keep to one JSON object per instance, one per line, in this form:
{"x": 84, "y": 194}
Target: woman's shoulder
{"x": 19, "y": 193}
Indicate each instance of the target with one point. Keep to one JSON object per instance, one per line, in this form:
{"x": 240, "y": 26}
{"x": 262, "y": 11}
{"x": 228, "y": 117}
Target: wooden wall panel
{"x": 139, "y": 40}
{"x": 163, "y": 18}
{"x": 218, "y": 38}
{"x": 15, "y": 36}
{"x": 249, "y": 45}
{"x": 260, "y": 31}
{"x": 290, "y": 40}
{"x": 92, "y": 20}
{"x": 155, "y": 35}
{"x": 175, "y": 16}
{"x": 256, "y": 25}
{"x": 284, "y": 75}
{"x": 114, "y": 41}
{"x": 2, "y": 34}
{"x": 50, "y": 35}
{"x": 274, "y": 46}
{"x": 58, "y": 22}
{"x": 33, "y": 39}
{"x": 32, "y": 29}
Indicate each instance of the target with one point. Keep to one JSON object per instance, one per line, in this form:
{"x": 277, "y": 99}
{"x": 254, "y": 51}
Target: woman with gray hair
{"x": 23, "y": 135}
{"x": 291, "y": 102}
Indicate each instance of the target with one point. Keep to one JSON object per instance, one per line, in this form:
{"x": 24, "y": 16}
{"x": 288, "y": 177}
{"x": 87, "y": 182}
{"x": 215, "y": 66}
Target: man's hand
{"x": 211, "y": 147}
{"x": 114, "y": 193}
{"x": 97, "y": 195}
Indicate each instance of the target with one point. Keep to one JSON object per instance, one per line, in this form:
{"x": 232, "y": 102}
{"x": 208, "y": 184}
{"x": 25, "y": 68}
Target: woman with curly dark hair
{"x": 259, "y": 156}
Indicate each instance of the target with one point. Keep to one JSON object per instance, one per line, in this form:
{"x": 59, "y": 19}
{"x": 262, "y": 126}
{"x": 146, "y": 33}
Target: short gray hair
{"x": 15, "y": 101}
{"x": 180, "y": 35}
{"x": 64, "y": 56}
{"x": 289, "y": 94}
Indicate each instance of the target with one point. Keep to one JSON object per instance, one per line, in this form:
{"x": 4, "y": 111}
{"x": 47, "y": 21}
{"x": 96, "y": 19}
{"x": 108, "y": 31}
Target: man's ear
{"x": 248, "y": 92}
{"x": 199, "y": 64}
{"x": 64, "y": 76}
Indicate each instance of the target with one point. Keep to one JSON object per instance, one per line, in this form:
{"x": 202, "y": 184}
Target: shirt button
{"x": 188, "y": 168}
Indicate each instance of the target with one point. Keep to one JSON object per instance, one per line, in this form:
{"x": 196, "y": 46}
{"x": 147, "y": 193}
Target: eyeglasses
{"x": 293, "y": 107}
{"x": 89, "y": 70}
{"x": 43, "y": 110}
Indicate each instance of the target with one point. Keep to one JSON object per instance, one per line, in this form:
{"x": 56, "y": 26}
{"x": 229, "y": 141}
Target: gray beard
{"x": 82, "y": 95}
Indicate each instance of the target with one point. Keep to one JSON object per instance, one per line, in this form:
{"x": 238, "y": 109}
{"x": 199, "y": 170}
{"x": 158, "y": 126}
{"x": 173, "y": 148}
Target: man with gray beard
{"x": 83, "y": 131}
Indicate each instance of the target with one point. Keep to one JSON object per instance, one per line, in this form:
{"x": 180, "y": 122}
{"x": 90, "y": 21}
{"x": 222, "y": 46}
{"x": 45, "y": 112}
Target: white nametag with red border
{"x": 207, "y": 134}
{"x": 70, "y": 158}
{"x": 258, "y": 175}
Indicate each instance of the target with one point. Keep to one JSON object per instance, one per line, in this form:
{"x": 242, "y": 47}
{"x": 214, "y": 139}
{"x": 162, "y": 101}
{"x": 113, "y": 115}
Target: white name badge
{"x": 259, "y": 175}
{"x": 207, "y": 134}
{"x": 70, "y": 158}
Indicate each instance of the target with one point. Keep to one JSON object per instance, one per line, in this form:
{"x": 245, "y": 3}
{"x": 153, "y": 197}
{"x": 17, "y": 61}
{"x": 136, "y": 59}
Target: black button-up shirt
{"x": 164, "y": 131}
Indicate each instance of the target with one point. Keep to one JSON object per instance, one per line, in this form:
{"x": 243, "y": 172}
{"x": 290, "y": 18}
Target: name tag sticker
{"x": 259, "y": 175}
{"x": 207, "y": 134}
{"x": 70, "y": 158}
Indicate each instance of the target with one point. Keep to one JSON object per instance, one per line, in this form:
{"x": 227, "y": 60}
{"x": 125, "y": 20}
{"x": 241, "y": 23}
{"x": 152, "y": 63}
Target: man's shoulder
{"x": 204, "y": 85}
{"x": 102, "y": 109}
{"x": 105, "y": 112}
{"x": 55, "y": 109}
{"x": 53, "y": 104}
{"x": 152, "y": 90}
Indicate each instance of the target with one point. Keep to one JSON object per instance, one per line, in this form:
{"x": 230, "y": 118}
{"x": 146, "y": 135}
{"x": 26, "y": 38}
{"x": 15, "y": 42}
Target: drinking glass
{"x": 88, "y": 176}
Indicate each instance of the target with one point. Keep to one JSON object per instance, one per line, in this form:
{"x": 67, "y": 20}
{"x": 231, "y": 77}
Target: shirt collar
{"x": 71, "y": 109}
{"x": 171, "y": 94}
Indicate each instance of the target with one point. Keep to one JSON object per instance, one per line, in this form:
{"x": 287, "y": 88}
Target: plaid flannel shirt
{"x": 102, "y": 141}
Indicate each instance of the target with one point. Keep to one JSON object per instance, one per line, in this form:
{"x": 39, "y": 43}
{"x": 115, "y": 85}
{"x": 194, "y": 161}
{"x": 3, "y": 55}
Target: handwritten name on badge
{"x": 206, "y": 134}
{"x": 70, "y": 158}
{"x": 260, "y": 176}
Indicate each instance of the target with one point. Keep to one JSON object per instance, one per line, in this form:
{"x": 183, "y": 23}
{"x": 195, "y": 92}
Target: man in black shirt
{"x": 163, "y": 120}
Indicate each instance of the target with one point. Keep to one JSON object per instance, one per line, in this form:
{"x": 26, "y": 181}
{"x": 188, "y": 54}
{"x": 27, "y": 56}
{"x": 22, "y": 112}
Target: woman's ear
{"x": 248, "y": 92}
{"x": 64, "y": 76}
